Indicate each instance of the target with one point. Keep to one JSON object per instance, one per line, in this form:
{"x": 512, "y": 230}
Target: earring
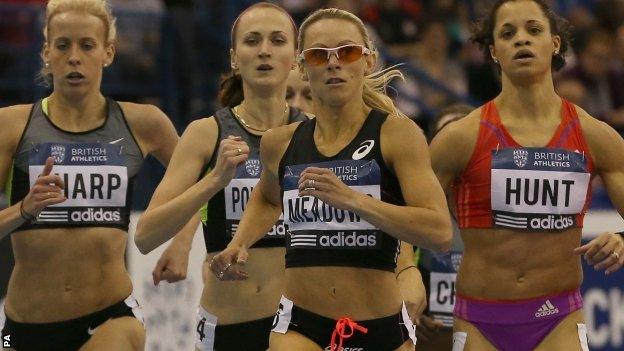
{"x": 495, "y": 59}
{"x": 556, "y": 52}
{"x": 47, "y": 65}
{"x": 105, "y": 65}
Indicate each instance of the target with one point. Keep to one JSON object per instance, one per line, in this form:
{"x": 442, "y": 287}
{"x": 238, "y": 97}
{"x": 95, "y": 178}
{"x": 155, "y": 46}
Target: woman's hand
{"x": 47, "y": 191}
{"x": 604, "y": 252}
{"x": 229, "y": 264}
{"x": 232, "y": 152}
{"x": 324, "y": 185}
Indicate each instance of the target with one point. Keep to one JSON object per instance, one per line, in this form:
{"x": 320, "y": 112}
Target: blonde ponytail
{"x": 375, "y": 86}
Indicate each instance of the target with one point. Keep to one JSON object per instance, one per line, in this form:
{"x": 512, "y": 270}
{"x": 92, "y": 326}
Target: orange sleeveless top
{"x": 526, "y": 188}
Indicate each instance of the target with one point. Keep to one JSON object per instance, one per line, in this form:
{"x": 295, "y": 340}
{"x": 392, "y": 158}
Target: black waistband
{"x": 118, "y": 309}
{"x": 383, "y": 334}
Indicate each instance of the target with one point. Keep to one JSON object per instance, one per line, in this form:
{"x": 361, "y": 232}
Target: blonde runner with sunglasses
{"x": 353, "y": 183}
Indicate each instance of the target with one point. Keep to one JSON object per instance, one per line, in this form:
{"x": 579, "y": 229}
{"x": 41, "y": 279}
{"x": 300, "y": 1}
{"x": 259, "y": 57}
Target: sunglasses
{"x": 345, "y": 54}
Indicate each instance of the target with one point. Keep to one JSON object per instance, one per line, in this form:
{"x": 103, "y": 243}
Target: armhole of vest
{"x": 476, "y": 148}
{"x": 383, "y": 118}
{"x": 215, "y": 149}
{"x": 21, "y": 139}
{"x": 9, "y": 181}
{"x": 280, "y": 166}
{"x": 125, "y": 120}
{"x": 579, "y": 131}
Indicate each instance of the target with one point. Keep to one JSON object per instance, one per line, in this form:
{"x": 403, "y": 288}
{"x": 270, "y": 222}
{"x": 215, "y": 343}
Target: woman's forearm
{"x": 259, "y": 217}
{"x": 419, "y": 226}
{"x": 161, "y": 223}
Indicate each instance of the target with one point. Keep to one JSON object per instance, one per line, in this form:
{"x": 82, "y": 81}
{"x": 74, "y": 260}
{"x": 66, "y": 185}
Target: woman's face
{"x": 336, "y": 82}
{"x": 523, "y": 42}
{"x": 77, "y": 51}
{"x": 264, "y": 51}
{"x": 298, "y": 92}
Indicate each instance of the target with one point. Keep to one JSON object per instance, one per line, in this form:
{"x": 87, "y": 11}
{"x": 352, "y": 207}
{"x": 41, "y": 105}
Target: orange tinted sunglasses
{"x": 345, "y": 54}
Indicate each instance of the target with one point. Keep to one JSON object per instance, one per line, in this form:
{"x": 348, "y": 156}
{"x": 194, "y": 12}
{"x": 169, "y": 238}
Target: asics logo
{"x": 365, "y": 147}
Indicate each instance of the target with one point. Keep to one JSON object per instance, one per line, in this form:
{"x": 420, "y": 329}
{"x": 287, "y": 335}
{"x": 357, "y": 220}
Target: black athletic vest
{"x": 98, "y": 167}
{"x": 321, "y": 235}
{"x": 223, "y": 212}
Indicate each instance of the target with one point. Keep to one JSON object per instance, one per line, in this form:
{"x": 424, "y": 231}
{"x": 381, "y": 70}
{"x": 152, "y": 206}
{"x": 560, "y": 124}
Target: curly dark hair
{"x": 483, "y": 31}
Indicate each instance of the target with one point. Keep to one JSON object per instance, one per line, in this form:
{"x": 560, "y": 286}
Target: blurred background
{"x": 171, "y": 53}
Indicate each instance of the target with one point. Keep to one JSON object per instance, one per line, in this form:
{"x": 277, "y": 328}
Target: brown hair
{"x": 453, "y": 112}
{"x": 231, "y": 85}
{"x": 375, "y": 84}
{"x": 483, "y": 31}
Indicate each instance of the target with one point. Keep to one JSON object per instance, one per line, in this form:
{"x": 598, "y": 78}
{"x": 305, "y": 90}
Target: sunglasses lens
{"x": 350, "y": 53}
{"x": 315, "y": 56}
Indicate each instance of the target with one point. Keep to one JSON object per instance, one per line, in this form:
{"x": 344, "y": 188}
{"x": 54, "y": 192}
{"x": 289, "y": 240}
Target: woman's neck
{"x": 264, "y": 109}
{"x": 77, "y": 114}
{"x": 532, "y": 100}
{"x": 337, "y": 122}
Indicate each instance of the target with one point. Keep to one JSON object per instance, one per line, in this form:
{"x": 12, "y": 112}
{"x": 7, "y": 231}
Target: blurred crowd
{"x": 172, "y": 53}
{"x": 432, "y": 37}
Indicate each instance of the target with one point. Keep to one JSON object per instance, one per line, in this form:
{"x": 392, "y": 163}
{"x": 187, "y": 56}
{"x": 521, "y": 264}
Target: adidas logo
{"x": 546, "y": 310}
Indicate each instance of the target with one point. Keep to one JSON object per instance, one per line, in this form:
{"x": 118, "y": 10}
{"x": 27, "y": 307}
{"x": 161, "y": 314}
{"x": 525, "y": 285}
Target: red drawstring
{"x": 342, "y": 332}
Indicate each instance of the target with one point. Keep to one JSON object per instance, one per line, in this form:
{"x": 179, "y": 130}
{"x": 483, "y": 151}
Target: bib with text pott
{"x": 237, "y": 194}
{"x": 96, "y": 182}
{"x": 313, "y": 224}
{"x": 538, "y": 188}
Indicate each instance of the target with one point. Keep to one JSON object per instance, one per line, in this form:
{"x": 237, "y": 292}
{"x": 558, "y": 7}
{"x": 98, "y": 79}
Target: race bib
{"x": 96, "y": 182}
{"x": 442, "y": 286}
{"x": 237, "y": 194}
{"x": 538, "y": 188}
{"x": 314, "y": 224}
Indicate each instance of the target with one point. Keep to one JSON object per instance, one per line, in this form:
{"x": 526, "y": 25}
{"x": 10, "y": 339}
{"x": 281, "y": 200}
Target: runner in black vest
{"x": 69, "y": 162}
{"x": 353, "y": 182}
{"x": 216, "y": 165}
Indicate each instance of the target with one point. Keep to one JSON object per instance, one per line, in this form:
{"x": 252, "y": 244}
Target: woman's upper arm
{"x": 273, "y": 145}
{"x": 154, "y": 131}
{"x": 607, "y": 151}
{"x": 190, "y": 156}
{"x": 405, "y": 151}
{"x": 13, "y": 121}
{"x": 453, "y": 147}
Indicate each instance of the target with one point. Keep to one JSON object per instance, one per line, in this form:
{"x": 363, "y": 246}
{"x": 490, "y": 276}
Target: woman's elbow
{"x": 141, "y": 241}
{"x": 444, "y": 235}
{"x": 445, "y": 244}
